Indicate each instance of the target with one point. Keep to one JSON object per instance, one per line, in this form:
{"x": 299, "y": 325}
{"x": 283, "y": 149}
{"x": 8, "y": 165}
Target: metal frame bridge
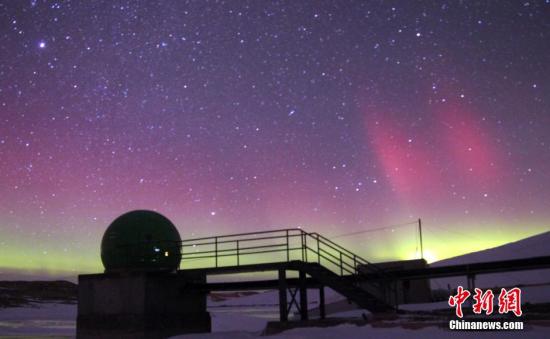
{"x": 318, "y": 262}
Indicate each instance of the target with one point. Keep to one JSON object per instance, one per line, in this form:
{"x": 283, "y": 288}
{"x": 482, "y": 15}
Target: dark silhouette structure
{"x": 142, "y": 294}
{"x": 141, "y": 241}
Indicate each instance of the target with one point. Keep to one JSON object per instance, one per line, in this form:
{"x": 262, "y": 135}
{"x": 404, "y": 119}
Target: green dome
{"x": 141, "y": 241}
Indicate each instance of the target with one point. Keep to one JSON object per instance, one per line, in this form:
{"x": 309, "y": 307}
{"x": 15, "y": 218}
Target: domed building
{"x": 141, "y": 240}
{"x": 141, "y": 294}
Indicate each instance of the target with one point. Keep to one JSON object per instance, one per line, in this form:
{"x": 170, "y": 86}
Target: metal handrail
{"x": 230, "y": 241}
{"x": 345, "y": 261}
{"x": 242, "y": 234}
{"x": 351, "y": 255}
{"x": 288, "y": 233}
{"x": 215, "y": 242}
{"x": 240, "y": 254}
{"x": 234, "y": 249}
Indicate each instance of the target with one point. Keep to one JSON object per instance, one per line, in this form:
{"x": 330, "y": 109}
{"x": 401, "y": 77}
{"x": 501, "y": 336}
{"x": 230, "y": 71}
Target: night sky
{"x": 336, "y": 117}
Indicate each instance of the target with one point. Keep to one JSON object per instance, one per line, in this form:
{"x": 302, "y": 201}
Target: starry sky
{"x": 348, "y": 118}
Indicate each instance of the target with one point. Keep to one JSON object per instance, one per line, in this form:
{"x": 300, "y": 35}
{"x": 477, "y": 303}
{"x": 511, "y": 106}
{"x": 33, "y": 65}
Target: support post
{"x": 471, "y": 280}
{"x": 287, "y": 247}
{"x": 238, "y": 261}
{"x": 318, "y": 250}
{"x": 216, "y": 249}
{"x": 395, "y": 294}
{"x": 283, "y": 313}
{"x": 341, "y": 265}
{"x": 420, "y": 234}
{"x": 302, "y": 244}
{"x": 303, "y": 296}
{"x": 305, "y": 245}
{"x": 322, "y": 302}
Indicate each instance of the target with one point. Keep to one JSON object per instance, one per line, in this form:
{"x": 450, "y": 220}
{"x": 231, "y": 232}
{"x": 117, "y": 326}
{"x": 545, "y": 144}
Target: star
{"x": 237, "y": 117}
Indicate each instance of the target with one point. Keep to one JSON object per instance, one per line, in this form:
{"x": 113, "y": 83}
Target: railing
{"x": 279, "y": 245}
{"x": 288, "y": 241}
{"x": 237, "y": 246}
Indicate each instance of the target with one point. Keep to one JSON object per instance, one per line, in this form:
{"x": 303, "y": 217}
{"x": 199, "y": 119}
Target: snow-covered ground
{"x": 247, "y": 316}
{"x": 529, "y": 247}
{"x": 49, "y": 319}
{"x": 352, "y": 331}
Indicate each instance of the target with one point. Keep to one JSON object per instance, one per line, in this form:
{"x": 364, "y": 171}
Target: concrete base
{"x": 140, "y": 305}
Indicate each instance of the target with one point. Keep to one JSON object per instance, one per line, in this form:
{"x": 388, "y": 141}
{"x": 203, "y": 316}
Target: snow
{"x": 49, "y": 318}
{"x": 534, "y": 246}
{"x": 245, "y": 322}
{"x": 247, "y": 316}
{"x": 529, "y": 247}
{"x": 353, "y": 331}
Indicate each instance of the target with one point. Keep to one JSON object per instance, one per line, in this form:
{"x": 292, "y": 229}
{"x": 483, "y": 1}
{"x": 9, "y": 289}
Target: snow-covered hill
{"x": 535, "y": 283}
{"x": 537, "y": 245}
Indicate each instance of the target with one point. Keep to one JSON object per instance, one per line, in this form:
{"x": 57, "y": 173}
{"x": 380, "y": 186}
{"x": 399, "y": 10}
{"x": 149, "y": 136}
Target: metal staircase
{"x": 326, "y": 262}
{"x": 352, "y": 291}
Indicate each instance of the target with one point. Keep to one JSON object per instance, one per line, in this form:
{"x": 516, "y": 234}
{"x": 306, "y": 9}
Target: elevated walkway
{"x": 318, "y": 262}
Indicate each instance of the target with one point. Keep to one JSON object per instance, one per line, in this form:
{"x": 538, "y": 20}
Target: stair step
{"x": 352, "y": 292}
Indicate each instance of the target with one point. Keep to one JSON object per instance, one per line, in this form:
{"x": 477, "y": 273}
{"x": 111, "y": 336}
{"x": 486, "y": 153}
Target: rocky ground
{"x": 21, "y": 293}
